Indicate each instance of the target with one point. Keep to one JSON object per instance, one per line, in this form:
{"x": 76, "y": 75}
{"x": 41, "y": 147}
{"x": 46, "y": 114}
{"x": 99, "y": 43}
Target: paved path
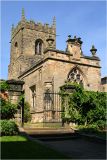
{"x": 72, "y": 145}
{"x": 80, "y": 148}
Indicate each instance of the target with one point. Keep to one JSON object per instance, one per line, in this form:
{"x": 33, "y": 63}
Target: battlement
{"x": 50, "y": 29}
{"x": 33, "y": 26}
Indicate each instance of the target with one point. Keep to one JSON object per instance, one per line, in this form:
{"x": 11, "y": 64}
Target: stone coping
{"x": 91, "y": 58}
{"x": 14, "y": 81}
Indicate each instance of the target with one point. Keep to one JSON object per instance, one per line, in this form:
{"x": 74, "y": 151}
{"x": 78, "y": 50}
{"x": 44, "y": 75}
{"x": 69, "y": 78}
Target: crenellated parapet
{"x": 29, "y": 39}
{"x": 50, "y": 29}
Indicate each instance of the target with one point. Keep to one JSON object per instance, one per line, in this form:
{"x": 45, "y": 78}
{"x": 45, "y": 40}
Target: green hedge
{"x": 8, "y": 128}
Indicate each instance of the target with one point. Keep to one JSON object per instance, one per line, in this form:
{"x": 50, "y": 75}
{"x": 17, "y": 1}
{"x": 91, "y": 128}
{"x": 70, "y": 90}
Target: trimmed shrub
{"x": 8, "y": 128}
{"x": 27, "y": 115}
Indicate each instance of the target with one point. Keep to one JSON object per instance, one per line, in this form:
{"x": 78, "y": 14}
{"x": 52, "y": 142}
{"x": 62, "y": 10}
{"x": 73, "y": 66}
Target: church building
{"x": 35, "y": 59}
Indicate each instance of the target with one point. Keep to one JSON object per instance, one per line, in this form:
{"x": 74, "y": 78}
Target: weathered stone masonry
{"x": 36, "y": 61}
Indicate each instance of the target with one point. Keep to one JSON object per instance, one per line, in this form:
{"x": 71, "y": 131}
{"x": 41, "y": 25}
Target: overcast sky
{"x": 85, "y": 19}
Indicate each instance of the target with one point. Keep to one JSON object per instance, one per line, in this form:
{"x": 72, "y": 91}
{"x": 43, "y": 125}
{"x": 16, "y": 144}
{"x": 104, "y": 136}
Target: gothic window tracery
{"x": 75, "y": 76}
{"x": 38, "y": 46}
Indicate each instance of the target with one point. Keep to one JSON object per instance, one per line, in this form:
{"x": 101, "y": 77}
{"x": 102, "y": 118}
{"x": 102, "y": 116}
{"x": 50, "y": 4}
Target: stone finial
{"x": 75, "y": 37}
{"x": 93, "y": 50}
{"x": 74, "y": 40}
{"x": 69, "y": 36}
{"x": 54, "y": 22}
{"x": 50, "y": 41}
{"x": 23, "y": 15}
{"x": 46, "y": 24}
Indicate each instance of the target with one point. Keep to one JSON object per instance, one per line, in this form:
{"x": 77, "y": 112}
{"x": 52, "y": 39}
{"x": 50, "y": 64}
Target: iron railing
{"x": 52, "y": 107}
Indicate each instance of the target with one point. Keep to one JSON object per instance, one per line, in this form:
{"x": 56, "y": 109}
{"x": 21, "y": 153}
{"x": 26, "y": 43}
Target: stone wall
{"x": 104, "y": 84}
{"x": 23, "y": 39}
{"x": 59, "y": 70}
{"x": 29, "y": 38}
{"x": 49, "y": 69}
{"x": 52, "y": 73}
{"x": 59, "y": 65}
{"x": 34, "y": 79}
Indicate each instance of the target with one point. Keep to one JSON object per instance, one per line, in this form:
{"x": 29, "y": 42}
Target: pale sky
{"x": 85, "y": 19}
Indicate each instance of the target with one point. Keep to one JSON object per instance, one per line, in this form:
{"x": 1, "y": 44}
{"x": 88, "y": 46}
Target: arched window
{"x": 76, "y": 76}
{"x": 38, "y": 46}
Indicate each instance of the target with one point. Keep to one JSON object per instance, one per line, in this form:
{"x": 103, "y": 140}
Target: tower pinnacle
{"x": 54, "y": 22}
{"x": 23, "y": 15}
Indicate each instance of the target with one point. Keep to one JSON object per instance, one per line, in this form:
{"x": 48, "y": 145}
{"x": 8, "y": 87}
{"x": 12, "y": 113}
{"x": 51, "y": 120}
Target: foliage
{"x": 97, "y": 112}
{"x": 21, "y": 97}
{"x": 8, "y": 127}
{"x": 101, "y": 124}
{"x": 83, "y": 107}
{"x": 27, "y": 115}
{"x": 4, "y": 86}
{"x": 7, "y": 109}
{"x": 71, "y": 109}
{"x": 89, "y": 127}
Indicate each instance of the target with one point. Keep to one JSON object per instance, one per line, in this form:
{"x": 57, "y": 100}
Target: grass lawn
{"x": 19, "y": 147}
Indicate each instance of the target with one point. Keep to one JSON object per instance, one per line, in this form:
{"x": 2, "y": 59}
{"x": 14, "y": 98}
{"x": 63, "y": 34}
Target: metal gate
{"x": 52, "y": 107}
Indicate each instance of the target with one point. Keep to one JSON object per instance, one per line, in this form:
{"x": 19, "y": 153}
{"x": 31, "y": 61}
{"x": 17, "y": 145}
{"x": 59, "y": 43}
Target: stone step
{"x": 46, "y": 128}
{"x": 43, "y": 125}
{"x": 48, "y": 132}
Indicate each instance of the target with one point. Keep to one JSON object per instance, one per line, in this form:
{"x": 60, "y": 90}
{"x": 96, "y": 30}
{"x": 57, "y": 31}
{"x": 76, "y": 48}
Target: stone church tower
{"x": 35, "y": 60}
{"x": 28, "y": 42}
